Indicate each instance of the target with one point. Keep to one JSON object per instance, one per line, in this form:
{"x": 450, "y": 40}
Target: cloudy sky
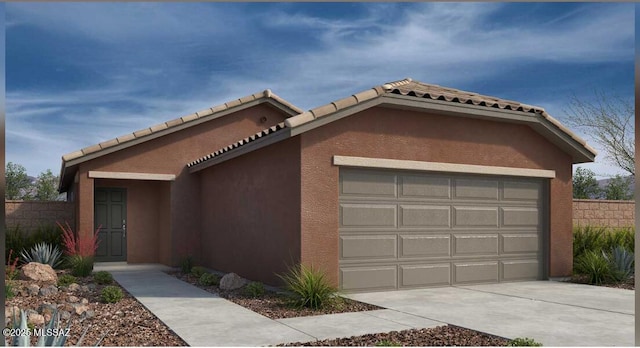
{"x": 81, "y": 73}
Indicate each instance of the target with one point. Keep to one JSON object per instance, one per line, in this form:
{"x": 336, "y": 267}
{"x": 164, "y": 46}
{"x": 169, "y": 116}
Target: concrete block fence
{"x": 30, "y": 214}
{"x": 596, "y": 212}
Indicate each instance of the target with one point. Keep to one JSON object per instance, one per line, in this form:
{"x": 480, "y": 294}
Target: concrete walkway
{"x": 554, "y": 313}
{"x": 204, "y": 319}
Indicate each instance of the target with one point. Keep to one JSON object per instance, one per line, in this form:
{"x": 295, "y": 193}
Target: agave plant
{"x": 622, "y": 263}
{"x": 51, "y": 335}
{"x": 43, "y": 253}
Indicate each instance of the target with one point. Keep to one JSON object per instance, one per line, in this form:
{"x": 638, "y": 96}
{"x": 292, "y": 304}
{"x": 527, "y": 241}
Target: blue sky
{"x": 81, "y": 73}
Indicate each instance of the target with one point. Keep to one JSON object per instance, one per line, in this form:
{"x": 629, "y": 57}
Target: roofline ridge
{"x": 390, "y": 85}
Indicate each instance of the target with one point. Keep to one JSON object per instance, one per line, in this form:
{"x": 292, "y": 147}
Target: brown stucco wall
{"x": 606, "y": 213}
{"x": 31, "y": 214}
{"x": 169, "y": 155}
{"x": 251, "y": 212}
{"x": 401, "y": 134}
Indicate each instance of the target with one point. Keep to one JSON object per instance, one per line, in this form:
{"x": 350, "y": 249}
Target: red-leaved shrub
{"x": 76, "y": 245}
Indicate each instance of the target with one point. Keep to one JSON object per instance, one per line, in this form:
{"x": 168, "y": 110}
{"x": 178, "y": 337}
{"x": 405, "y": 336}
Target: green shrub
{"x": 186, "y": 264}
{"x": 15, "y": 239}
{"x": 111, "y": 294}
{"x": 66, "y": 280}
{"x": 587, "y": 238}
{"x": 8, "y": 290}
{"x": 627, "y": 238}
{"x": 198, "y": 271}
{"x": 254, "y": 289}
{"x": 18, "y": 239}
{"x": 388, "y": 343}
{"x": 594, "y": 265}
{"x": 43, "y": 253}
{"x": 81, "y": 266}
{"x": 309, "y": 287}
{"x": 103, "y": 277}
{"x": 524, "y": 342}
{"x": 208, "y": 279}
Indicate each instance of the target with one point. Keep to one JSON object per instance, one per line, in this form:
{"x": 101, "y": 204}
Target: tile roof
{"x": 407, "y": 87}
{"x": 185, "y": 120}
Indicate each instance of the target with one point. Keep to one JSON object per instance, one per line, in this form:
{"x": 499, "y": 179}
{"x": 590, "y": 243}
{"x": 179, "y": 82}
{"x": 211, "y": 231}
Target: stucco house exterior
{"x": 402, "y": 185}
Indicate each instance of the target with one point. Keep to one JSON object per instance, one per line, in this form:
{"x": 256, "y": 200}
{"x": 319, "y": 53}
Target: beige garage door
{"x": 404, "y": 229}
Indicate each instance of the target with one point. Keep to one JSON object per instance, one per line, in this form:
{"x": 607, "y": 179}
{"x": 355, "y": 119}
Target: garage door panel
{"x": 520, "y": 217}
{"x": 476, "y": 189}
{"x": 520, "y": 243}
{"x": 474, "y": 244}
{"x": 476, "y": 217}
{"x": 372, "y": 215}
{"x": 517, "y": 270}
{"x": 425, "y": 245}
{"x": 476, "y": 272}
{"x": 425, "y": 216}
{"x": 368, "y": 247}
{"x": 369, "y": 278}
{"x": 437, "y": 229}
{"x": 425, "y": 187}
{"x": 425, "y": 275}
{"x": 368, "y": 184}
{"x": 521, "y": 190}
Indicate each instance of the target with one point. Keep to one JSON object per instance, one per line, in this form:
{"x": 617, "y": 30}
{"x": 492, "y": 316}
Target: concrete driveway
{"x": 553, "y": 313}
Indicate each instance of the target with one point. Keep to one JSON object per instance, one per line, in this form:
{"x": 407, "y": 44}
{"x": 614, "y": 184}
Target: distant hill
{"x": 603, "y": 183}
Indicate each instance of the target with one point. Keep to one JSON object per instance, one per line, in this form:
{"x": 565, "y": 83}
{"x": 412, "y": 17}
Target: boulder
{"x": 38, "y": 272}
{"x": 232, "y": 281}
{"x": 33, "y": 289}
{"x": 35, "y": 319}
{"x": 73, "y": 287}
{"x": 48, "y": 290}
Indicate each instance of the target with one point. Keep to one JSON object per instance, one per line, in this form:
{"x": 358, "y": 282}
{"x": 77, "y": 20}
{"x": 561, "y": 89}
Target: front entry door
{"x": 111, "y": 214}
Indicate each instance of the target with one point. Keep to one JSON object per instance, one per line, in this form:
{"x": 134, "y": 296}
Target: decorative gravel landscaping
{"x": 448, "y": 335}
{"x": 276, "y": 305}
{"x": 124, "y": 323}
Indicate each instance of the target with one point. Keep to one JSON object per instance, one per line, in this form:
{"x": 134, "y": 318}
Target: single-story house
{"x": 402, "y": 185}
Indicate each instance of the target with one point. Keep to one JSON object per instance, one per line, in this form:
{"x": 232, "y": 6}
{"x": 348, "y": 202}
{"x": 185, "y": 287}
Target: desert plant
{"x": 587, "y": 238}
{"x": 11, "y": 270}
{"x": 81, "y": 266}
{"x": 186, "y": 264}
{"x": 594, "y": 265}
{"x": 198, "y": 271}
{"x": 15, "y": 239}
{"x": 254, "y": 289}
{"x": 46, "y": 233}
{"x": 66, "y": 280}
{"x": 621, "y": 263}
{"x": 627, "y": 238}
{"x": 76, "y": 245}
{"x": 43, "y": 253}
{"x": 208, "y": 279}
{"x": 310, "y": 287}
{"x": 111, "y": 294}
{"x": 8, "y": 290}
{"x": 524, "y": 342}
{"x": 388, "y": 343}
{"x": 103, "y": 277}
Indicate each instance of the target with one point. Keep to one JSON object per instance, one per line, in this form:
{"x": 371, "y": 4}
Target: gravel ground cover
{"x": 125, "y": 323}
{"x": 629, "y": 284}
{"x": 276, "y": 305}
{"x": 448, "y": 335}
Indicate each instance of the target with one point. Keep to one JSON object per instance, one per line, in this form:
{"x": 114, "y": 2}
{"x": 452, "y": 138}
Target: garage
{"x": 406, "y": 229}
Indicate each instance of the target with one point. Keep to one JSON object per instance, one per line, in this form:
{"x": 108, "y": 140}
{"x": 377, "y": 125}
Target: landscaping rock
{"x": 74, "y": 287}
{"x": 232, "y": 281}
{"x": 73, "y": 299}
{"x": 35, "y": 319}
{"x": 80, "y": 308}
{"x": 65, "y": 315}
{"x": 47, "y": 308}
{"x": 90, "y": 314}
{"x": 49, "y": 290}
{"x": 38, "y": 272}
{"x": 84, "y": 301}
{"x": 91, "y": 287}
{"x": 9, "y": 310}
{"x": 33, "y": 289}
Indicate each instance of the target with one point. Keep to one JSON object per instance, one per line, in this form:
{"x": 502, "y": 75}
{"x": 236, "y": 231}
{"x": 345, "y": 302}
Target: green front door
{"x": 111, "y": 217}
